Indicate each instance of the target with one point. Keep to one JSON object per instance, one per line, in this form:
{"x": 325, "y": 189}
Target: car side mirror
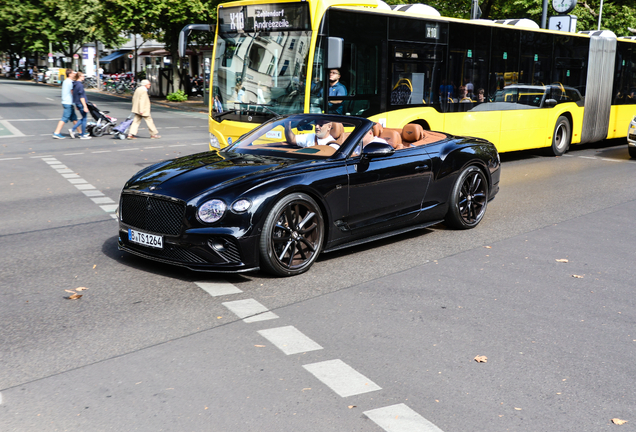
{"x": 550, "y": 103}
{"x": 376, "y": 149}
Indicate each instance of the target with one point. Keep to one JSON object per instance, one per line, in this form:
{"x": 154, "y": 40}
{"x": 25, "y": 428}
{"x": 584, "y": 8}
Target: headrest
{"x": 392, "y": 137}
{"x": 377, "y": 129}
{"x": 337, "y": 132}
{"x": 412, "y": 132}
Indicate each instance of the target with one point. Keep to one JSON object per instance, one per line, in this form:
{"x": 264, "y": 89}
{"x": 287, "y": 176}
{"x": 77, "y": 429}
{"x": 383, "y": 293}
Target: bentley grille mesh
{"x": 152, "y": 214}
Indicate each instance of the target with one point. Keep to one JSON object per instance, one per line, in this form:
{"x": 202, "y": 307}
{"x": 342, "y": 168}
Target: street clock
{"x": 563, "y": 6}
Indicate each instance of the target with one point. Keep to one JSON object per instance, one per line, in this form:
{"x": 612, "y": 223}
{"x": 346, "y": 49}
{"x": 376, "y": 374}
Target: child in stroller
{"x": 103, "y": 124}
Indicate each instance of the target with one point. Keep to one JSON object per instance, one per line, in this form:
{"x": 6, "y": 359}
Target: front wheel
{"x": 292, "y": 235}
{"x": 469, "y": 199}
{"x": 561, "y": 137}
{"x": 632, "y": 152}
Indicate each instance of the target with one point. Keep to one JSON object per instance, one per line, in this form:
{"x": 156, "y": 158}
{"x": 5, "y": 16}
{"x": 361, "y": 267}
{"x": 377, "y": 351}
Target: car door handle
{"x": 421, "y": 168}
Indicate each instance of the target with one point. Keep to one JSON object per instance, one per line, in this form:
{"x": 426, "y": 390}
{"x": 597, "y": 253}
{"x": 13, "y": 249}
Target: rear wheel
{"x": 292, "y": 235}
{"x": 561, "y": 136}
{"x": 98, "y": 131}
{"x": 469, "y": 199}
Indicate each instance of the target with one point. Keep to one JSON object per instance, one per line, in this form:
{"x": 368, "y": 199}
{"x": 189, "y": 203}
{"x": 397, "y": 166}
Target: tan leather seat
{"x": 377, "y": 129}
{"x": 337, "y": 132}
{"x": 392, "y": 137}
{"x": 411, "y": 134}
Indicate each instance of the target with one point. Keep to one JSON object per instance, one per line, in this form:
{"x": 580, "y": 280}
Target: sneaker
{"x": 155, "y": 137}
{"x": 58, "y": 136}
{"x": 71, "y": 133}
{"x": 85, "y": 136}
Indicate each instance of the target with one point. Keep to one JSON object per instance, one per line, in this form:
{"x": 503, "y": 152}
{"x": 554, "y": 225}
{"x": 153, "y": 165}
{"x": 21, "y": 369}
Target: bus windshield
{"x": 261, "y": 60}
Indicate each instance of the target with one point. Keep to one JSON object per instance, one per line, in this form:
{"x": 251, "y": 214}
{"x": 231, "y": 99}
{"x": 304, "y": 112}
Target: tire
{"x": 561, "y": 137}
{"x": 108, "y": 129}
{"x": 120, "y": 89}
{"x": 98, "y": 131}
{"x": 632, "y": 152}
{"x": 292, "y": 236}
{"x": 469, "y": 199}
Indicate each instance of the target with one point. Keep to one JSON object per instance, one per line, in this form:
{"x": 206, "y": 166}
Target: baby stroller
{"x": 103, "y": 124}
{"x": 121, "y": 131}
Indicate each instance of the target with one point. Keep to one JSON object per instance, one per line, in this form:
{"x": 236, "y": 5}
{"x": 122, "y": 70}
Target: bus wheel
{"x": 561, "y": 136}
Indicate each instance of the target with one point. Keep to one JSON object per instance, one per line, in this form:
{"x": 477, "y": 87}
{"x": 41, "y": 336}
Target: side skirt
{"x": 381, "y": 236}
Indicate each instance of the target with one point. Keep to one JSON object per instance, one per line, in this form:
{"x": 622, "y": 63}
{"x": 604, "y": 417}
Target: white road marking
{"x": 85, "y": 186}
{"x": 153, "y": 147}
{"x": 611, "y": 160}
{"x": 400, "y": 418}
{"x": 6, "y": 159}
{"x": 110, "y": 208}
{"x": 101, "y": 151}
{"x": 92, "y": 193}
{"x": 341, "y": 378}
{"x": 588, "y": 157}
{"x": 15, "y": 131}
{"x": 70, "y": 176}
{"x": 73, "y": 154}
{"x": 104, "y": 200}
{"x": 177, "y": 145}
{"x": 128, "y": 149}
{"x": 65, "y": 170}
{"x": 250, "y": 310}
{"x": 289, "y": 340}
{"x": 216, "y": 289}
{"x": 77, "y": 181}
{"x": 58, "y": 166}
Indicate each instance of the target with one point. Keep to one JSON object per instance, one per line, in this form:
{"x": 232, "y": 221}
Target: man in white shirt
{"x": 67, "y": 103}
{"x": 321, "y": 137}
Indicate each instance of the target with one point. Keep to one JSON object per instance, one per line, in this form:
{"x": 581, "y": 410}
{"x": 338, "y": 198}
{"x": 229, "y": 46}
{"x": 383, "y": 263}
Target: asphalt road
{"x": 380, "y": 337}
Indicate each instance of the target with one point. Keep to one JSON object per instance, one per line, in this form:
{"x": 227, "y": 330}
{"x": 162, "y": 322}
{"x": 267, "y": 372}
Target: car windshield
{"x": 303, "y": 136}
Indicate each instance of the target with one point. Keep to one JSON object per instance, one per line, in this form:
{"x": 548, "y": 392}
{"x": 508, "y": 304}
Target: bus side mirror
{"x": 335, "y": 48}
{"x": 550, "y": 103}
{"x": 185, "y": 32}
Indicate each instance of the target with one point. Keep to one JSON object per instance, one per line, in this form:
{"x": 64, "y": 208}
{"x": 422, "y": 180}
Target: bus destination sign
{"x": 264, "y": 18}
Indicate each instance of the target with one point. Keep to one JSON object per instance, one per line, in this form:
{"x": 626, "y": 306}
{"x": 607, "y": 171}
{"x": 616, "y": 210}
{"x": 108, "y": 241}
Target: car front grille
{"x": 152, "y": 213}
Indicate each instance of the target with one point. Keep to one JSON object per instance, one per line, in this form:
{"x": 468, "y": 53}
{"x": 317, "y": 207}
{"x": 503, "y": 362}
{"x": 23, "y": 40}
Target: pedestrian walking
{"x": 67, "y": 104}
{"x": 141, "y": 109}
{"x": 80, "y": 100}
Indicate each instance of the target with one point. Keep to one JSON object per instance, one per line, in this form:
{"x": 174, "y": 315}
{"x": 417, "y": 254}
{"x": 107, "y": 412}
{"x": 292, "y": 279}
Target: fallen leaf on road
{"x": 618, "y": 421}
{"x": 518, "y": 409}
{"x": 259, "y": 346}
{"x": 352, "y": 406}
{"x": 81, "y": 289}
{"x": 481, "y": 359}
{"x": 69, "y": 291}
{"x": 563, "y": 260}
{"x": 74, "y": 296}
{"x": 577, "y": 276}
{"x": 488, "y": 247}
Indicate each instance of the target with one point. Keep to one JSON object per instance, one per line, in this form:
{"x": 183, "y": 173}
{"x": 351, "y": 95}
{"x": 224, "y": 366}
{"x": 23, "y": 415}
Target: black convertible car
{"x": 302, "y": 185}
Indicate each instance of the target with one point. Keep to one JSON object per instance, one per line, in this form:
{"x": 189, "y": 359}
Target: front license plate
{"x": 145, "y": 239}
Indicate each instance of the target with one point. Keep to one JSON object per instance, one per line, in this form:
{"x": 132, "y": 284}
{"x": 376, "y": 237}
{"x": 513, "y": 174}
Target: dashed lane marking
{"x": 7, "y": 159}
{"x": 105, "y": 203}
{"x": 289, "y": 340}
{"x": 341, "y": 378}
{"x": 216, "y": 289}
{"x": 250, "y": 310}
{"x": 400, "y": 418}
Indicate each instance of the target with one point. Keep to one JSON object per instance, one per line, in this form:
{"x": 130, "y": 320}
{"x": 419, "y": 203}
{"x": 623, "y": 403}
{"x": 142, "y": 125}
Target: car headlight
{"x": 211, "y": 211}
{"x": 241, "y": 205}
{"x": 214, "y": 142}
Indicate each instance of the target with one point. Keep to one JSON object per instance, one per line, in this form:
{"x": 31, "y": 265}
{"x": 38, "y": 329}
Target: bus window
{"x": 570, "y": 62}
{"x": 361, "y": 63}
{"x": 536, "y": 58}
{"x": 468, "y": 61}
{"x": 414, "y": 70}
{"x": 504, "y": 59}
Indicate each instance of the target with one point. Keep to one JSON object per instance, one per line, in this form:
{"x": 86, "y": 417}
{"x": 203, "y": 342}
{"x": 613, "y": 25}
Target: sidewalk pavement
{"x": 197, "y": 104}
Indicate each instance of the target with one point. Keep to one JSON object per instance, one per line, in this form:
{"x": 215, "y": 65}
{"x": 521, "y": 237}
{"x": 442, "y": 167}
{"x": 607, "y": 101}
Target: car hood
{"x": 189, "y": 176}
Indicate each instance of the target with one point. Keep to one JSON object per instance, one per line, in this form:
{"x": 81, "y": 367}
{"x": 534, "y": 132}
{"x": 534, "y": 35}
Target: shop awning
{"x": 113, "y": 56}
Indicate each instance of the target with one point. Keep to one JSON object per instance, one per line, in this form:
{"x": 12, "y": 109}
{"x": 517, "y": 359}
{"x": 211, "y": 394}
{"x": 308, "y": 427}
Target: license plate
{"x": 145, "y": 239}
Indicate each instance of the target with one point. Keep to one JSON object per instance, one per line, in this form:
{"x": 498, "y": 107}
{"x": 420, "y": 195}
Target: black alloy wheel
{"x": 469, "y": 199}
{"x": 292, "y": 235}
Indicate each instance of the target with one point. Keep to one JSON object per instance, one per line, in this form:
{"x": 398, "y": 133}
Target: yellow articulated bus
{"x": 520, "y": 88}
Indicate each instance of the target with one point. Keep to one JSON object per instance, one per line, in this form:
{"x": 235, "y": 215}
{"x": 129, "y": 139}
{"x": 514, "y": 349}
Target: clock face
{"x": 563, "y": 6}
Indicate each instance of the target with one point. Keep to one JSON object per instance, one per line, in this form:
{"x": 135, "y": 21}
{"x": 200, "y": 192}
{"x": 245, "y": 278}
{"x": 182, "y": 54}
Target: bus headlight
{"x": 214, "y": 142}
